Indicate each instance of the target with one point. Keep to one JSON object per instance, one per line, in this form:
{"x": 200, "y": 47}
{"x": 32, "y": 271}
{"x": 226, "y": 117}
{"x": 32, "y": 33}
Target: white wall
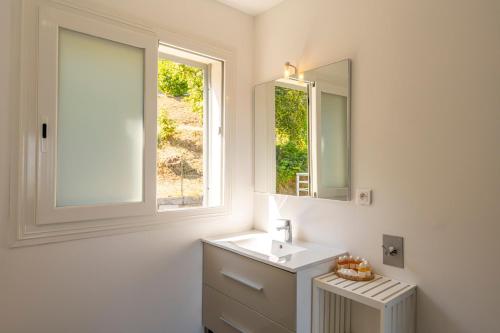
{"x": 138, "y": 282}
{"x": 425, "y": 137}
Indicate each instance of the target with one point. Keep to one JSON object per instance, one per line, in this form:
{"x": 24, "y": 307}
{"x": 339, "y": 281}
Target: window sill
{"x": 29, "y": 234}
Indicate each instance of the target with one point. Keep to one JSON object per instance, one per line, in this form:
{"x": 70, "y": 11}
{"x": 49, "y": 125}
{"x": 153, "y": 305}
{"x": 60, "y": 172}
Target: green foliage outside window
{"x": 181, "y": 80}
{"x": 166, "y": 128}
{"x": 291, "y": 123}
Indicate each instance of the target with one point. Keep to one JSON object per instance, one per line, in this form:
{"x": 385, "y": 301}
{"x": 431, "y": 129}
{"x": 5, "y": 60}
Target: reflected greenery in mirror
{"x": 291, "y": 126}
{"x": 302, "y": 134}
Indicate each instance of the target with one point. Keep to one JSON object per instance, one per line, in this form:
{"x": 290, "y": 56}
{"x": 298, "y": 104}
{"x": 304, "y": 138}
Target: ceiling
{"x": 252, "y": 7}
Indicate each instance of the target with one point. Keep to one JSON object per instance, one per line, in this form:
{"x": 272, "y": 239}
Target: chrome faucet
{"x": 287, "y": 226}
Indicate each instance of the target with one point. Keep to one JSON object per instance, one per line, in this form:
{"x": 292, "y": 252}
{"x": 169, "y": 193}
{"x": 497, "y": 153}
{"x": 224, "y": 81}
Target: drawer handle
{"x": 233, "y": 325}
{"x": 243, "y": 281}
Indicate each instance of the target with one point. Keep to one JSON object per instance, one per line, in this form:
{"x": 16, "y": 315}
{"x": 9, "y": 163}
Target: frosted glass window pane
{"x": 100, "y": 133}
{"x": 333, "y": 140}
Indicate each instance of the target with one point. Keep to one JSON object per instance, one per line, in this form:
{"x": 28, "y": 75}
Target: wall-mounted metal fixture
{"x": 390, "y": 251}
{"x": 289, "y": 70}
{"x": 393, "y": 250}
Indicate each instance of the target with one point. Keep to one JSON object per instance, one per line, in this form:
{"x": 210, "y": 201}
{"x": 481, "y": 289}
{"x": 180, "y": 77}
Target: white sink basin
{"x": 268, "y": 247}
{"x": 263, "y": 247}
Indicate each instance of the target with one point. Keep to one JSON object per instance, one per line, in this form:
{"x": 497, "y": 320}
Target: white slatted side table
{"x": 332, "y": 298}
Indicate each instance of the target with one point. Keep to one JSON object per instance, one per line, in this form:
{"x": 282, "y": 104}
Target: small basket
{"x": 355, "y": 278}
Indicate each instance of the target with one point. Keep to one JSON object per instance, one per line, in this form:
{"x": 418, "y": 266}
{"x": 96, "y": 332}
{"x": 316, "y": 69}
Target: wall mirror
{"x": 302, "y": 134}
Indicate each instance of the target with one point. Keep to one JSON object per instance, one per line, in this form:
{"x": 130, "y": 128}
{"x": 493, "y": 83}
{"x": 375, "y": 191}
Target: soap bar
{"x": 348, "y": 272}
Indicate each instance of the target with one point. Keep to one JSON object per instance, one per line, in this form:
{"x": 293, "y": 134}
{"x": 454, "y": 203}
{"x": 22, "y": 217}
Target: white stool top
{"x": 378, "y": 293}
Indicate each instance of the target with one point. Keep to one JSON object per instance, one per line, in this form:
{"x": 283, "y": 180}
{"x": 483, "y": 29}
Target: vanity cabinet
{"x": 241, "y": 294}
{"x": 223, "y": 314}
{"x": 260, "y": 287}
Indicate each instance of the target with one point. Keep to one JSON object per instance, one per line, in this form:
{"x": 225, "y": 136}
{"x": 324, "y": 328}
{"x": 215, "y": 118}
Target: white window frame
{"x": 207, "y": 126}
{"x": 25, "y": 129}
{"x": 51, "y": 20}
{"x": 318, "y": 189}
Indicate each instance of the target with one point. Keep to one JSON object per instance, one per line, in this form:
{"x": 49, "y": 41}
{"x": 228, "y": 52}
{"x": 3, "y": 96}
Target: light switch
{"x": 364, "y": 197}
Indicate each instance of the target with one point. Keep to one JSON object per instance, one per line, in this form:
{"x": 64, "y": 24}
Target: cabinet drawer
{"x": 265, "y": 289}
{"x": 222, "y": 314}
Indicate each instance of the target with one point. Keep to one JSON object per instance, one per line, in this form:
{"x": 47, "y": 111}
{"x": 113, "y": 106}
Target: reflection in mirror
{"x": 302, "y": 134}
{"x": 291, "y": 138}
{"x": 330, "y": 125}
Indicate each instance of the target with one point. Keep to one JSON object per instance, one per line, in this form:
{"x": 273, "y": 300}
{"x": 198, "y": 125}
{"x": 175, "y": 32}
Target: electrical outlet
{"x": 364, "y": 197}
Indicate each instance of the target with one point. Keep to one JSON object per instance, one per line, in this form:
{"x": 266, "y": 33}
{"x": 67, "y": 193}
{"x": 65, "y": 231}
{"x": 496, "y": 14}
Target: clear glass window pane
{"x": 181, "y": 135}
{"x": 100, "y": 134}
{"x": 189, "y": 125}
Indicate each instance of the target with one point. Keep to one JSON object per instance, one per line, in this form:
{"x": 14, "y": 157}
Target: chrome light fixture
{"x": 289, "y": 70}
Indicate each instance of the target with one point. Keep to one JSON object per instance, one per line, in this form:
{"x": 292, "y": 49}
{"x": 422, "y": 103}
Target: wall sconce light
{"x": 289, "y": 70}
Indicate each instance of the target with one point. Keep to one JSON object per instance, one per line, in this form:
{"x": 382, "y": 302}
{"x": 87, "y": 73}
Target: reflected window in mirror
{"x": 292, "y": 140}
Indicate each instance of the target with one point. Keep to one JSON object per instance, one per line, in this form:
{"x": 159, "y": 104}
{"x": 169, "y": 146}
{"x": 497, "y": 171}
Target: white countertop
{"x": 314, "y": 253}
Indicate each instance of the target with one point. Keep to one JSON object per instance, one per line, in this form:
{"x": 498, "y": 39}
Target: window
{"x": 116, "y": 130}
{"x": 100, "y": 120}
{"x": 189, "y": 149}
{"x": 96, "y": 114}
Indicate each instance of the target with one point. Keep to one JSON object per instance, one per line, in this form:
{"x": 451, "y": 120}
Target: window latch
{"x": 44, "y": 138}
